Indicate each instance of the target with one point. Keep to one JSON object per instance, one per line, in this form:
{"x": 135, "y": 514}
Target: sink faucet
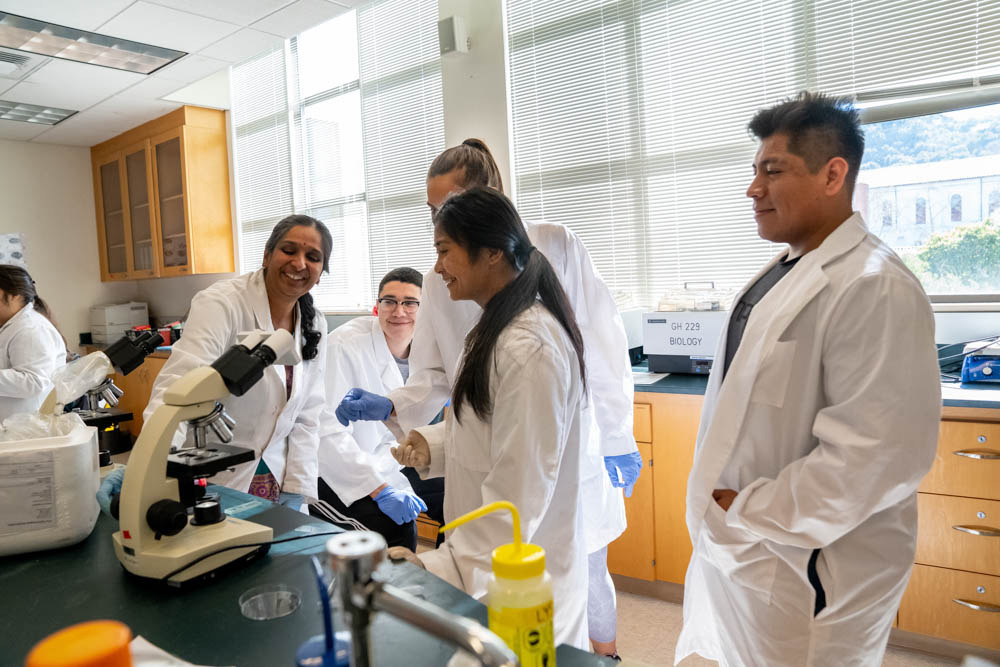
{"x": 354, "y": 556}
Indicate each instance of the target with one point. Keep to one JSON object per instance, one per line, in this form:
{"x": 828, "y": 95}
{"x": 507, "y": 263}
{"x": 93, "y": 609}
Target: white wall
{"x": 47, "y": 194}
{"x": 474, "y": 84}
{"x": 170, "y": 298}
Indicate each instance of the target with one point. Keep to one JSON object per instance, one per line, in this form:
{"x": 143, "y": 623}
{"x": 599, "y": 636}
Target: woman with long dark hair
{"x": 31, "y": 347}
{"x": 611, "y": 458}
{"x": 517, "y": 427}
{"x": 278, "y": 418}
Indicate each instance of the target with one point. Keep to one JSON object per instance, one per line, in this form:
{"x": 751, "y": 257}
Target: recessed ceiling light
{"x": 49, "y": 39}
{"x": 31, "y": 113}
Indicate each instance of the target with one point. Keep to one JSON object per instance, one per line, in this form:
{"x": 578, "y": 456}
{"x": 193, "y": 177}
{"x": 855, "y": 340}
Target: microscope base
{"x": 158, "y": 558}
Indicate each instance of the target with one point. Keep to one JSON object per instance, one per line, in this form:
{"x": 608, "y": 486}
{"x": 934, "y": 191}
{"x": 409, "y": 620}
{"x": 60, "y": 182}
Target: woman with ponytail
{"x": 31, "y": 347}
{"x": 279, "y": 417}
{"x": 517, "y": 427}
{"x": 611, "y": 458}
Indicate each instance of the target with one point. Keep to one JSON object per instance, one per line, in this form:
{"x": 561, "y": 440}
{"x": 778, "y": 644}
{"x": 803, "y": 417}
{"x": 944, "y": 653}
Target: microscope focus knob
{"x": 166, "y": 517}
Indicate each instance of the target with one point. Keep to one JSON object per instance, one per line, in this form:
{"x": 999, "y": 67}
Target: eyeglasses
{"x": 390, "y": 304}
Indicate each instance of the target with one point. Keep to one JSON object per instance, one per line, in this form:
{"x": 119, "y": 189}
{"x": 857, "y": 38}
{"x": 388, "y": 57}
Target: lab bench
{"x": 50, "y": 590}
{"x": 951, "y": 604}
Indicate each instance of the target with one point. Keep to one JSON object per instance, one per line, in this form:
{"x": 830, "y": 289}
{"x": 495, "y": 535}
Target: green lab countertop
{"x": 47, "y": 591}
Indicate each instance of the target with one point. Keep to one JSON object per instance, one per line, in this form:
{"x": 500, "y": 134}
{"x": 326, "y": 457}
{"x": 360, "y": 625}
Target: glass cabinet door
{"x": 113, "y": 218}
{"x": 141, "y": 218}
{"x": 171, "y": 195}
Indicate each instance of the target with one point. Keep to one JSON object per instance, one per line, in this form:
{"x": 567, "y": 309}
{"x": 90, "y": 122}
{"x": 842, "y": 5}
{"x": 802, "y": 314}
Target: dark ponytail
{"x": 15, "y": 281}
{"x": 475, "y": 160}
{"x": 307, "y": 310}
{"x": 482, "y": 218}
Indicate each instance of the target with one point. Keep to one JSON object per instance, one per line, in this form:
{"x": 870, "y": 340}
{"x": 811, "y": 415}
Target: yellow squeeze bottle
{"x": 519, "y": 593}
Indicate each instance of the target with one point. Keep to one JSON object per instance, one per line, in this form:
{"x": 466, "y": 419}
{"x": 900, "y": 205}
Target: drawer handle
{"x": 978, "y": 606}
{"x": 981, "y": 454}
{"x": 982, "y": 531}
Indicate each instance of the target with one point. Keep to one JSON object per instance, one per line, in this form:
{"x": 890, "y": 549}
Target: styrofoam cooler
{"x": 48, "y": 490}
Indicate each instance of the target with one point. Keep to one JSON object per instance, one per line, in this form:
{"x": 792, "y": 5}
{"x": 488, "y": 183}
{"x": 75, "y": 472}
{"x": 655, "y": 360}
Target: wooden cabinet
{"x": 954, "y": 592}
{"x": 955, "y": 605}
{"x": 162, "y": 194}
{"x": 656, "y": 545}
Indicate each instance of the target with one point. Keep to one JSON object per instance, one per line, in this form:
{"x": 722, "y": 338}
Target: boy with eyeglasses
{"x": 361, "y": 486}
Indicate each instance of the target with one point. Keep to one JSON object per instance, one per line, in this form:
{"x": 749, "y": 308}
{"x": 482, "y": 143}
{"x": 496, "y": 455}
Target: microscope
{"x": 157, "y": 540}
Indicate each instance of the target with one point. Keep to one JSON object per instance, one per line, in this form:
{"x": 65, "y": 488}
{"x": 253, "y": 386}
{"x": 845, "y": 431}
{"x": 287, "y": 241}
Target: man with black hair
{"x": 819, "y": 421}
{"x": 361, "y": 487}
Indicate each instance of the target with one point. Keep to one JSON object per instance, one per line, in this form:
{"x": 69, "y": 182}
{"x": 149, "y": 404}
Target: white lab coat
{"x": 31, "y": 351}
{"x": 528, "y": 453}
{"x": 826, "y": 422}
{"x": 356, "y": 460}
{"x": 284, "y": 432}
{"x": 439, "y": 339}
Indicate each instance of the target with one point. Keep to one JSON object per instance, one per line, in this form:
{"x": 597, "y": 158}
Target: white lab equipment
{"x": 108, "y": 322}
{"x": 155, "y": 539}
{"x": 47, "y": 487}
{"x": 680, "y": 337}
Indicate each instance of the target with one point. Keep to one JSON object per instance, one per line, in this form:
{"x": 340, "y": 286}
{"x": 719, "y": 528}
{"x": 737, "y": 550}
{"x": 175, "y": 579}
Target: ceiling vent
{"x": 16, "y": 65}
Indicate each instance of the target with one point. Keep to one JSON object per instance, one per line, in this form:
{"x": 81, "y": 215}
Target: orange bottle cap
{"x": 91, "y": 644}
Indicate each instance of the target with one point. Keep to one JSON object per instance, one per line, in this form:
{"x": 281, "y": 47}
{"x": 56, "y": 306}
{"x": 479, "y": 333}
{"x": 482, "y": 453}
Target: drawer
{"x": 967, "y": 461}
{"x": 642, "y": 422}
{"x": 975, "y": 547}
{"x": 929, "y": 606}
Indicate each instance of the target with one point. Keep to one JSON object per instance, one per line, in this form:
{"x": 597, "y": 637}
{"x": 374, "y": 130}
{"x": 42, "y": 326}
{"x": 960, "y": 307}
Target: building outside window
{"x": 944, "y": 172}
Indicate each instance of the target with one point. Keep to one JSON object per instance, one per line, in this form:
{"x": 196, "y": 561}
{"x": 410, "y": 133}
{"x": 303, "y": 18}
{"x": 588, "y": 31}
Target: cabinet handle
{"x": 978, "y": 606}
{"x": 981, "y": 454}
{"x": 982, "y": 531}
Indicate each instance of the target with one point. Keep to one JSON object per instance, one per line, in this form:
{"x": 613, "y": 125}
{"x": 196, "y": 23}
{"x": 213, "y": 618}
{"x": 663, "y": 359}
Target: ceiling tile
{"x": 84, "y": 129}
{"x": 18, "y": 131}
{"x": 162, "y": 26}
{"x": 72, "y": 13}
{"x": 243, "y": 45}
{"x": 190, "y": 69}
{"x": 70, "y": 85}
{"x": 297, "y": 17}
{"x": 241, "y": 12}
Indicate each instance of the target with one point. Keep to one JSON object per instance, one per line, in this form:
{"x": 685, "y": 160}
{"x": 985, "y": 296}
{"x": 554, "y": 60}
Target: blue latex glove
{"x": 628, "y": 465}
{"x": 292, "y": 501}
{"x": 111, "y": 485}
{"x": 400, "y": 506}
{"x": 361, "y": 405}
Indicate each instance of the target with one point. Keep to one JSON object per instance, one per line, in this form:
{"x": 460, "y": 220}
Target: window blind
{"x": 341, "y": 124}
{"x": 629, "y": 116}
{"x": 403, "y": 130}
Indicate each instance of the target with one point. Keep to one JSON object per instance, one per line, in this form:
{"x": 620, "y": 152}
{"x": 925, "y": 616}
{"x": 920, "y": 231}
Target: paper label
{"x": 27, "y": 492}
{"x": 528, "y": 632}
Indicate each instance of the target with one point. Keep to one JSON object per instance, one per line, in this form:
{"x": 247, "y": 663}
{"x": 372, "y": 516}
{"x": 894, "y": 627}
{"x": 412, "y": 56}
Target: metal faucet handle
{"x": 218, "y": 420}
{"x": 356, "y": 554}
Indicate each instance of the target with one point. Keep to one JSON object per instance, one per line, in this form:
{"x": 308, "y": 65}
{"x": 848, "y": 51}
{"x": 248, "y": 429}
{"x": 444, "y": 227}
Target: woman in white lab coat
{"x": 517, "y": 422}
{"x": 278, "y": 418}
{"x": 439, "y": 339}
{"x": 31, "y": 348}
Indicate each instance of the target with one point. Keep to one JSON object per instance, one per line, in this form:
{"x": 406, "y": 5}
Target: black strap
{"x": 816, "y": 583}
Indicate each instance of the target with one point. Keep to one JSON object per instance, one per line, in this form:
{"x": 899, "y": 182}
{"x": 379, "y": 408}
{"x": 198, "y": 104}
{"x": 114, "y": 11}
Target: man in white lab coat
{"x": 361, "y": 486}
{"x": 819, "y": 422}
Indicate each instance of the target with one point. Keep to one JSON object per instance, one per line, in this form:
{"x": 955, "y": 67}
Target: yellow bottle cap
{"x": 510, "y": 562}
{"x": 518, "y": 560}
{"x": 91, "y": 644}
